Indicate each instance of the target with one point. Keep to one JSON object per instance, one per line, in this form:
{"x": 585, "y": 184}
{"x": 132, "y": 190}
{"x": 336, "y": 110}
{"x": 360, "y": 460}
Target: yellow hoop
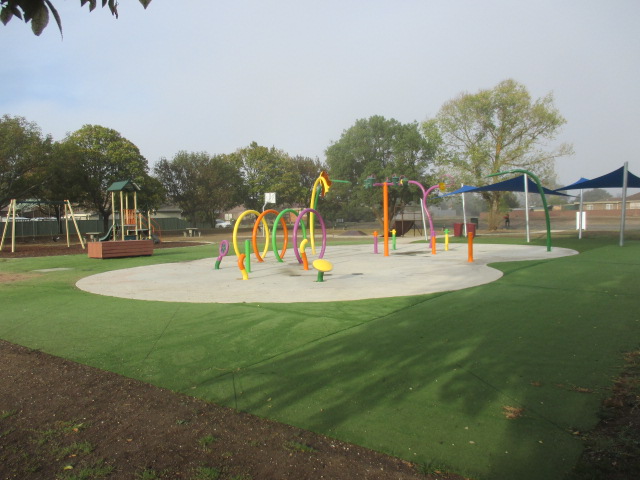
{"x": 237, "y": 225}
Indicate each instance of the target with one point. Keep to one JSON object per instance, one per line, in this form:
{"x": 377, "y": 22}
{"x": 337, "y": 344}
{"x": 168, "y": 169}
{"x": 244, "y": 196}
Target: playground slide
{"x": 108, "y": 235}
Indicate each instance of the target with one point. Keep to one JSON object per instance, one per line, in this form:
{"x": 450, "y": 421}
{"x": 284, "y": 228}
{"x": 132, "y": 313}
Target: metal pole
{"x": 73, "y": 217}
{"x": 385, "y": 206}
{"x": 122, "y": 215}
{"x": 580, "y": 224}
{"x": 542, "y": 196}
{"x": 526, "y": 207}
{"x": 623, "y": 216}
{"x": 6, "y": 224}
{"x": 464, "y": 214}
{"x": 66, "y": 224}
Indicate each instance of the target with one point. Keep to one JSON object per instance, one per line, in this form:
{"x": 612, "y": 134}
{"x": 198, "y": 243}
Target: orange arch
{"x": 254, "y": 235}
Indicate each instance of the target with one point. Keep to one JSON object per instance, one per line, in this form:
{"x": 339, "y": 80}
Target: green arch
{"x": 274, "y": 243}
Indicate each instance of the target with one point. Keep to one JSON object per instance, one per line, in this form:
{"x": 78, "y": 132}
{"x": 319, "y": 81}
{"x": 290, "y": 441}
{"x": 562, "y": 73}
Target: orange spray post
{"x": 433, "y": 245}
{"x": 245, "y": 276}
{"x": 303, "y": 254}
{"x": 470, "y": 242}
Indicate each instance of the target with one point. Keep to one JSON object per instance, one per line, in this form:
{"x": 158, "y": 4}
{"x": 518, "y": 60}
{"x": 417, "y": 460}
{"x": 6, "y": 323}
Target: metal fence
{"x": 44, "y": 228}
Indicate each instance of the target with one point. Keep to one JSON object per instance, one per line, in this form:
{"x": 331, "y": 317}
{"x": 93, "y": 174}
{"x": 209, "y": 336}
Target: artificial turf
{"x": 428, "y": 378}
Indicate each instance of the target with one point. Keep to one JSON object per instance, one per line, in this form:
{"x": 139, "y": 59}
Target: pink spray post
{"x": 223, "y": 250}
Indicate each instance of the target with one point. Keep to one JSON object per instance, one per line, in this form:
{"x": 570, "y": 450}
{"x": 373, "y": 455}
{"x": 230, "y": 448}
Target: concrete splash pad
{"x": 357, "y": 274}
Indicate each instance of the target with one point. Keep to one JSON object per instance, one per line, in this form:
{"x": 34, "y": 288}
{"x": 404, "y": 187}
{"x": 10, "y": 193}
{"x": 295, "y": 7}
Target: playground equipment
{"x": 260, "y": 220}
{"x": 401, "y": 180}
{"x": 320, "y": 187}
{"x": 243, "y": 270}
{"x": 368, "y": 183}
{"x": 322, "y": 266}
{"x": 222, "y": 250}
{"x": 11, "y": 213}
{"x": 303, "y": 254}
{"x": 126, "y": 238}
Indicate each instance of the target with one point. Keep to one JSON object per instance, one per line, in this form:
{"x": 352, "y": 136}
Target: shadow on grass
{"x": 434, "y": 381}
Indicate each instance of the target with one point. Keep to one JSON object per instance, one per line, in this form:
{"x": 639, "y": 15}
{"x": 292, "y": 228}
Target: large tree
{"x": 90, "y": 159}
{"x": 203, "y": 186}
{"x": 382, "y": 148}
{"x": 596, "y": 195}
{"x": 24, "y": 151}
{"x": 267, "y": 170}
{"x": 37, "y": 11}
{"x": 495, "y": 130}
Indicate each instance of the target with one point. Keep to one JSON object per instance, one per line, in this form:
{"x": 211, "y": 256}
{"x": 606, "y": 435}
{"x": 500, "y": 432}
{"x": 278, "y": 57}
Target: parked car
{"x": 222, "y": 224}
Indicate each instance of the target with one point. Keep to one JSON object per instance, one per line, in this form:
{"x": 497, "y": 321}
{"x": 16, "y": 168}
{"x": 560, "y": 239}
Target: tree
{"x": 91, "y": 159}
{"x": 23, "y": 153}
{"x": 203, "y": 186}
{"x": 37, "y": 11}
{"x": 595, "y": 195}
{"x": 382, "y": 148}
{"x": 271, "y": 170}
{"x": 495, "y": 130}
{"x": 297, "y": 181}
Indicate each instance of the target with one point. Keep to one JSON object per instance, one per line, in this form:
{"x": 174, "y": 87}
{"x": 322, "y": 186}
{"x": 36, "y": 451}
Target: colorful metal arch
{"x": 274, "y": 242}
{"x": 322, "y": 185}
{"x": 237, "y": 225}
{"x": 295, "y": 232}
{"x": 254, "y": 236}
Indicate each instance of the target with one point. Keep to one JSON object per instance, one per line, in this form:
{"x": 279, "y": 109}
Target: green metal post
{"x": 542, "y": 195}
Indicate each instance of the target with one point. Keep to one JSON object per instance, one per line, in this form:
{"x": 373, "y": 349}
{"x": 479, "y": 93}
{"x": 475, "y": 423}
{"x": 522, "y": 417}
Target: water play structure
{"x": 400, "y": 181}
{"x": 320, "y": 187}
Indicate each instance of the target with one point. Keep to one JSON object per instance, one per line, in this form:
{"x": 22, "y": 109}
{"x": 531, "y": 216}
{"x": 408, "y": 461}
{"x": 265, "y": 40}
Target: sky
{"x": 217, "y": 75}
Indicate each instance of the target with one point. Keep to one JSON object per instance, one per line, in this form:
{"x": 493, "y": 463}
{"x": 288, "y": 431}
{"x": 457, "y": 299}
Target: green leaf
{"x": 56, "y": 16}
{"x": 5, "y": 15}
{"x": 40, "y": 19}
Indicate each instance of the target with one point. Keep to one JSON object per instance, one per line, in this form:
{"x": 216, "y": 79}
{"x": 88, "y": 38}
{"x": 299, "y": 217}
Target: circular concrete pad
{"x": 357, "y": 274}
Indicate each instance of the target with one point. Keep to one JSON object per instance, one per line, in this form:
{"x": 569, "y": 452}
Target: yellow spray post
{"x": 322, "y": 266}
{"x": 446, "y": 239}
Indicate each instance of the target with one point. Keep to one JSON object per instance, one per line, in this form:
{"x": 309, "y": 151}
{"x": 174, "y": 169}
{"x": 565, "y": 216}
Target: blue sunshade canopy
{"x": 515, "y": 184}
{"x": 610, "y": 180}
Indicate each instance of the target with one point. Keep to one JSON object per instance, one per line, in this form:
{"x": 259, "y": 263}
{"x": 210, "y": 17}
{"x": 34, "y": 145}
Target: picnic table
{"x": 93, "y": 236}
{"x": 191, "y": 232}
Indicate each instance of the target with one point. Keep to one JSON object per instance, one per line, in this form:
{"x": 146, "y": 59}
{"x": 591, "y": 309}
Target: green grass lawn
{"x": 428, "y": 378}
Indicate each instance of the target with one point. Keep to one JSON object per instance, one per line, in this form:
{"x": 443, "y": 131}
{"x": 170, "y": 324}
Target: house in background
{"x": 633, "y": 203}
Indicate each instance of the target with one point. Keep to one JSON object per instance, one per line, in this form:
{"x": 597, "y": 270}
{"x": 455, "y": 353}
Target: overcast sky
{"x": 216, "y": 75}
